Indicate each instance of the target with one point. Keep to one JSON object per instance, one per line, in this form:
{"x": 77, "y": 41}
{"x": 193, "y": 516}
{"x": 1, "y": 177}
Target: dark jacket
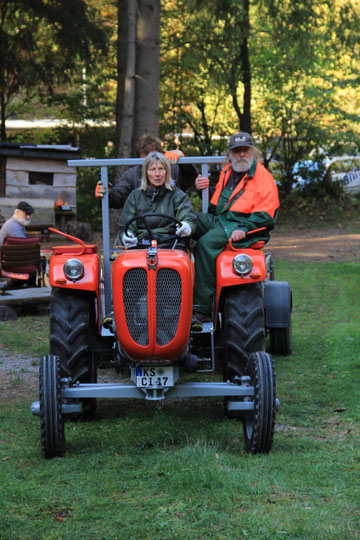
{"x": 183, "y": 176}
{"x": 174, "y": 203}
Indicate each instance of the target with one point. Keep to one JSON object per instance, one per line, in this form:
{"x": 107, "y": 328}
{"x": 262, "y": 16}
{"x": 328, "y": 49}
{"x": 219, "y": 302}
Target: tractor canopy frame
{"x": 104, "y": 164}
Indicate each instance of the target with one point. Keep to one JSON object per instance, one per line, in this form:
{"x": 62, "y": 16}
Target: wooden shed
{"x": 37, "y": 174}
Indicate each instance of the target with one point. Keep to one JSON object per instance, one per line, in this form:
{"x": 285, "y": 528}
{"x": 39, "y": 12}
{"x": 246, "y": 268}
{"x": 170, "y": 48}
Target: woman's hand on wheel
{"x": 129, "y": 240}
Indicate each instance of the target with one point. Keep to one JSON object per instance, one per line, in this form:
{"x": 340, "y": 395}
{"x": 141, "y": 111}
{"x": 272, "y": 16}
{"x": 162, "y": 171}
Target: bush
{"x": 88, "y": 208}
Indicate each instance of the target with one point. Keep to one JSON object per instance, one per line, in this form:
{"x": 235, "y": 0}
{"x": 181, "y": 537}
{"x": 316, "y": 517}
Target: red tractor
{"x": 132, "y": 310}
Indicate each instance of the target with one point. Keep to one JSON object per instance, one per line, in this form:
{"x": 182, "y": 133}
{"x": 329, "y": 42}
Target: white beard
{"x": 23, "y": 221}
{"x": 241, "y": 164}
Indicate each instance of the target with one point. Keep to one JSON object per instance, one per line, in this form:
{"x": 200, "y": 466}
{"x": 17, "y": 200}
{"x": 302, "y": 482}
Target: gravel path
{"x": 17, "y": 362}
{"x": 19, "y": 374}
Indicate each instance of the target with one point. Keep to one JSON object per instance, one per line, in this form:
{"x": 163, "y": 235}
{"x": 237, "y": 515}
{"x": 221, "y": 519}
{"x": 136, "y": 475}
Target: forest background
{"x": 190, "y": 71}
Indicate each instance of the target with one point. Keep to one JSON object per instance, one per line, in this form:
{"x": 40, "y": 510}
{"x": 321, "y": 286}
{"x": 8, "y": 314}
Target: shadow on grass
{"x": 135, "y": 424}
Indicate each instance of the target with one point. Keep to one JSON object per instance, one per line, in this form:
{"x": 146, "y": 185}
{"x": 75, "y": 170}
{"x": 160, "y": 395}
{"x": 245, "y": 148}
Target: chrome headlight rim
{"x": 74, "y": 269}
{"x": 242, "y": 264}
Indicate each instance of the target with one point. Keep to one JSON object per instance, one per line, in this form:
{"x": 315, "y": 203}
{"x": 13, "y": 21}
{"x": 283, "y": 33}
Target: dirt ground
{"x": 324, "y": 245}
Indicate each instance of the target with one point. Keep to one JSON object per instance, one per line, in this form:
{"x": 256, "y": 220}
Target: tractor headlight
{"x": 73, "y": 269}
{"x": 242, "y": 264}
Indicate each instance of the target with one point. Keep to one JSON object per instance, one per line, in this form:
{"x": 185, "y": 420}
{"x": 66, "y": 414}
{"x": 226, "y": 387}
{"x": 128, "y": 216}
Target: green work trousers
{"x": 211, "y": 241}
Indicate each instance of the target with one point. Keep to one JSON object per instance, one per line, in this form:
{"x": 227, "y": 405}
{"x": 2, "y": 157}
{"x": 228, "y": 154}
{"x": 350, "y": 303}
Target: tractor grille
{"x": 168, "y": 305}
{"x": 135, "y": 304}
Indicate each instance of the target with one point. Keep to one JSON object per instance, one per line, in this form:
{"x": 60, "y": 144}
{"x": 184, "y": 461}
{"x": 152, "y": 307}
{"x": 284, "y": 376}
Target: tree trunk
{"x": 121, "y": 51}
{"x": 126, "y": 127}
{"x": 245, "y": 124}
{"x": 245, "y": 69}
{"x": 147, "y": 69}
{"x": 129, "y": 90}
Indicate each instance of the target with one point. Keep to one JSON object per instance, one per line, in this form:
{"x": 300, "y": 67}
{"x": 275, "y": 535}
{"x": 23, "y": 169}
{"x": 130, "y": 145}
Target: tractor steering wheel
{"x": 154, "y": 236}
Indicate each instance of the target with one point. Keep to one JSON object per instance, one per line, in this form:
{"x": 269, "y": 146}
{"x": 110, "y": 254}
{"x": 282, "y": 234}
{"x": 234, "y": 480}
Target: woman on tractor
{"x": 157, "y": 194}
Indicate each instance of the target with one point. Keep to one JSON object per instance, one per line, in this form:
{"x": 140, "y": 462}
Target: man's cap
{"x": 240, "y": 139}
{"x": 25, "y": 207}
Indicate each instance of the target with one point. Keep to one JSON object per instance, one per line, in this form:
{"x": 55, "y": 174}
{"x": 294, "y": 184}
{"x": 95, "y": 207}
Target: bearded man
{"x": 245, "y": 199}
{"x": 15, "y": 226}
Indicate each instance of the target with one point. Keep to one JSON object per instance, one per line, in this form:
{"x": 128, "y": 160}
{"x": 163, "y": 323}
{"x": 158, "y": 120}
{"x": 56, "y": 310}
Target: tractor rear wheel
{"x": 258, "y": 425}
{"x": 244, "y": 327}
{"x": 72, "y": 323}
{"x": 51, "y": 420}
{"x": 281, "y": 340}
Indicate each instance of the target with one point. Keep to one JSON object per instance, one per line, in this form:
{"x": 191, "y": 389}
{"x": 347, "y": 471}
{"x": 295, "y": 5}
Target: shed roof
{"x": 47, "y": 151}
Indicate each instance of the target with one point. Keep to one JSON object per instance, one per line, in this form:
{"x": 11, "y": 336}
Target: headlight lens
{"x": 242, "y": 264}
{"x": 73, "y": 269}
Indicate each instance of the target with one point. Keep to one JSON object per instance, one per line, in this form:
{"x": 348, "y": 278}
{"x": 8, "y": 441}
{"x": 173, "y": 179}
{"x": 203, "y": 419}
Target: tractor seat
{"x": 257, "y": 245}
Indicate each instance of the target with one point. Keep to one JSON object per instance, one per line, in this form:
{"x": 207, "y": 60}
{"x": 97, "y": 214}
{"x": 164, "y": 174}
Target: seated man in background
{"x": 245, "y": 199}
{"x": 15, "y": 226}
{"x": 183, "y": 175}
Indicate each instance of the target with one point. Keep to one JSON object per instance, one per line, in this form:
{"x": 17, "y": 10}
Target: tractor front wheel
{"x": 258, "y": 425}
{"x": 51, "y": 419}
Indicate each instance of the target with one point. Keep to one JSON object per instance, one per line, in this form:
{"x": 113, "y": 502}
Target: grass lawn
{"x": 181, "y": 471}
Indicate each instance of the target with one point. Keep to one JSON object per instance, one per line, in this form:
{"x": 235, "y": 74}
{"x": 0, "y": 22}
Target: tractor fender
{"x": 277, "y": 303}
{"x": 90, "y": 280}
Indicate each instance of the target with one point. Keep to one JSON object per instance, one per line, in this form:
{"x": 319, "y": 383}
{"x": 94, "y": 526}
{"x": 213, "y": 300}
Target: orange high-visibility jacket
{"x": 260, "y": 193}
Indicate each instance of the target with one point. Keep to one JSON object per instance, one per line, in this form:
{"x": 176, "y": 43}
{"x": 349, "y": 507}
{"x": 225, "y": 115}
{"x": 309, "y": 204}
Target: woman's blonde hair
{"x": 149, "y": 160}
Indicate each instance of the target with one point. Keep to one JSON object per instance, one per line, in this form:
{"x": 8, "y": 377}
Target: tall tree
{"x": 147, "y": 68}
{"x": 121, "y": 62}
{"x": 301, "y": 104}
{"x": 138, "y": 49}
{"x": 288, "y": 71}
{"x": 127, "y": 125}
{"x": 40, "y": 42}
{"x": 212, "y": 64}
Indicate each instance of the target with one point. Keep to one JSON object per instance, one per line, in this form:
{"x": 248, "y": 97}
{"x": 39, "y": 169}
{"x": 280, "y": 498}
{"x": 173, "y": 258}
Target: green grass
{"x": 181, "y": 471}
{"x": 28, "y": 334}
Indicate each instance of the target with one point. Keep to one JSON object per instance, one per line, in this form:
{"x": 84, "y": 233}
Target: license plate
{"x": 154, "y": 377}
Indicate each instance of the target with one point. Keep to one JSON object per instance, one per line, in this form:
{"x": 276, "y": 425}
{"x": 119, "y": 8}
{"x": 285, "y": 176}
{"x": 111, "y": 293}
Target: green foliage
{"x": 89, "y": 209}
{"x": 94, "y": 143}
{"x": 303, "y": 70}
{"x": 40, "y": 44}
{"x": 299, "y": 75}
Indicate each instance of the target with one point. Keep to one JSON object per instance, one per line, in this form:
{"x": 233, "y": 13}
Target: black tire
{"x": 281, "y": 340}
{"x": 72, "y": 323}
{"x": 270, "y": 267}
{"x": 272, "y": 270}
{"x": 258, "y": 425}
{"x": 244, "y": 327}
{"x": 51, "y": 419}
